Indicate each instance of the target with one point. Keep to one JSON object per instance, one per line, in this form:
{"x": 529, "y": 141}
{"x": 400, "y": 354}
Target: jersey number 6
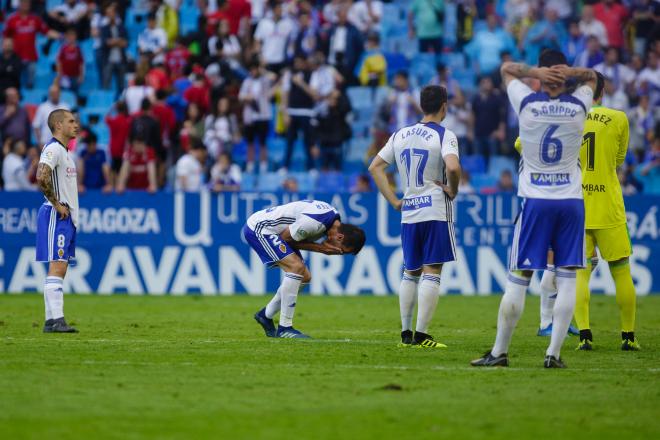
{"x": 551, "y": 148}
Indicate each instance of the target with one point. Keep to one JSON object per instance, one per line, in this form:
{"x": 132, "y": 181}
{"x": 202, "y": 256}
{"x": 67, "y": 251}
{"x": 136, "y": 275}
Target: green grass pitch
{"x": 199, "y": 367}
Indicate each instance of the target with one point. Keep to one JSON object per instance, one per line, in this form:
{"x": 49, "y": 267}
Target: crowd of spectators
{"x": 216, "y": 93}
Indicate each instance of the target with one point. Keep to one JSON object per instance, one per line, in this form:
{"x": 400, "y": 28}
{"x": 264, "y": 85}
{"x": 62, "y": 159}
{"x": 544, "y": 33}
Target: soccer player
{"x": 278, "y": 235}
{"x": 552, "y": 213}
{"x": 58, "y": 216}
{"x": 604, "y": 147}
{"x": 426, "y": 157}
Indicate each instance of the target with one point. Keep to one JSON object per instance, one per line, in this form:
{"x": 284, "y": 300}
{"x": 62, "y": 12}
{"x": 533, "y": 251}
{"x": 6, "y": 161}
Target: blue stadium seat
{"x": 188, "y": 20}
{"x": 102, "y": 132}
{"x": 481, "y": 181}
{"x": 276, "y": 149}
{"x": 43, "y": 80}
{"x": 360, "y": 97}
{"x": 269, "y": 182}
{"x": 395, "y": 63}
{"x": 101, "y": 99}
{"x": 248, "y": 182}
{"x": 331, "y": 182}
{"x": 497, "y": 164}
{"x": 306, "y": 181}
{"x": 357, "y": 148}
{"x": 33, "y": 96}
{"x": 87, "y": 112}
{"x": 69, "y": 98}
{"x": 474, "y": 164}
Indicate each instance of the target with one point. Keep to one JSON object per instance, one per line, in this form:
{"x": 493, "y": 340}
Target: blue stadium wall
{"x": 191, "y": 243}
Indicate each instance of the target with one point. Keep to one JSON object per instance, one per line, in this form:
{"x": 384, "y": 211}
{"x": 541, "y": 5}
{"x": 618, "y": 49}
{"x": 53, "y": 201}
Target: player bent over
{"x": 58, "y": 216}
{"x": 426, "y": 157}
{"x": 552, "y": 213}
{"x": 278, "y": 235}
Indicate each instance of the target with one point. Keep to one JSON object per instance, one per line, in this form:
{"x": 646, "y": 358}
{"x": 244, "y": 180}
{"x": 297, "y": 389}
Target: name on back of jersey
{"x": 554, "y": 110}
{"x": 416, "y": 202}
{"x": 550, "y": 179}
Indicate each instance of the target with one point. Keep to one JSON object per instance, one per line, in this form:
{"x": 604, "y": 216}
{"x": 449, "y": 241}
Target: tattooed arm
{"x": 581, "y": 75}
{"x": 45, "y": 183}
{"x": 511, "y": 71}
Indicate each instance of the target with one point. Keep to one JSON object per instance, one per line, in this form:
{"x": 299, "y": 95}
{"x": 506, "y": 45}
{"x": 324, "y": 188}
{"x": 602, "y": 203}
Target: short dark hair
{"x": 145, "y": 105}
{"x": 55, "y": 117}
{"x": 600, "y": 85}
{"x": 354, "y": 237}
{"x": 432, "y": 98}
{"x": 551, "y": 57}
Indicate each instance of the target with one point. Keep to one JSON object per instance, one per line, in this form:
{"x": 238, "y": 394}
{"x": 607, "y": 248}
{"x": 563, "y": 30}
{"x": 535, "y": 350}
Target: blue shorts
{"x": 270, "y": 247}
{"x": 431, "y": 242}
{"x": 56, "y": 238}
{"x": 548, "y": 224}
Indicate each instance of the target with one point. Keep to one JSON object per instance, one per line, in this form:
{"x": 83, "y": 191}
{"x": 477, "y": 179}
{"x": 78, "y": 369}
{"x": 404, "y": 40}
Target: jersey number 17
{"x": 420, "y": 157}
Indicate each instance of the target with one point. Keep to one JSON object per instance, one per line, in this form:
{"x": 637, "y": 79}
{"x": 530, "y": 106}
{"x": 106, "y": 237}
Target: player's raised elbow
{"x": 452, "y": 165}
{"x": 377, "y": 165}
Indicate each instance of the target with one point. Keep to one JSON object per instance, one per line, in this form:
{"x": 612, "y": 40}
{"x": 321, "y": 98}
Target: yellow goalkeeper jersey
{"x": 604, "y": 147}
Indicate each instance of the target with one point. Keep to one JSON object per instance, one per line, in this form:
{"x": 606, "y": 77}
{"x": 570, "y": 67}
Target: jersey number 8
{"x": 551, "y": 148}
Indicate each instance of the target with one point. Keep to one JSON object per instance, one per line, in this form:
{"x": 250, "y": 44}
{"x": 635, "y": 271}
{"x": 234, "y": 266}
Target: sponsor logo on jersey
{"x": 590, "y": 187}
{"x": 550, "y": 179}
{"x": 416, "y": 203}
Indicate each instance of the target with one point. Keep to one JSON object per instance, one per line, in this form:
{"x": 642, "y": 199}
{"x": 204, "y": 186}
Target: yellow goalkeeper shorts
{"x": 613, "y": 243}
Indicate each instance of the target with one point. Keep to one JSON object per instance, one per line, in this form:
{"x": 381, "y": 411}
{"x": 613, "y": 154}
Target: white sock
{"x": 563, "y": 311}
{"x": 511, "y": 307}
{"x": 289, "y": 292}
{"x": 407, "y": 299}
{"x": 274, "y": 305}
{"x": 429, "y": 291}
{"x": 548, "y": 295}
{"x": 54, "y": 297}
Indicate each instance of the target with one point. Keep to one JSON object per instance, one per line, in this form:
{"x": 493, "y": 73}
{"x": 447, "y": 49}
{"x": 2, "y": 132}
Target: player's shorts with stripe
{"x": 430, "y": 242}
{"x": 270, "y": 247}
{"x": 613, "y": 243}
{"x": 543, "y": 224}
{"x": 56, "y": 238}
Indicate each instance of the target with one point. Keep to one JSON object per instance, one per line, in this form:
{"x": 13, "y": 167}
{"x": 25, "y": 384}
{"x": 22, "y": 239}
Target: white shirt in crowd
{"x": 153, "y": 40}
{"x": 259, "y": 89}
{"x": 651, "y": 77}
{"x": 618, "y": 101}
{"x": 188, "y": 168}
{"x": 360, "y": 17}
{"x": 595, "y": 28}
{"x": 323, "y": 81}
{"x": 134, "y": 95}
{"x": 14, "y": 173}
{"x": 72, "y": 13}
{"x": 40, "y": 121}
{"x": 230, "y": 176}
{"x": 65, "y": 181}
{"x": 218, "y": 133}
{"x": 457, "y": 120}
{"x": 620, "y": 74}
{"x": 273, "y": 37}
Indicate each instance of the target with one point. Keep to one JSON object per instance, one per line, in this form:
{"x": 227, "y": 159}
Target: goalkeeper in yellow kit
{"x": 604, "y": 148}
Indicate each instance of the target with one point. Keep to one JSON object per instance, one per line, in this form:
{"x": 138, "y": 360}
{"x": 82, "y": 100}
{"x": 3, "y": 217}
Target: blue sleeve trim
{"x": 565, "y": 97}
{"x": 533, "y": 97}
{"x": 326, "y": 218}
{"x": 438, "y": 128}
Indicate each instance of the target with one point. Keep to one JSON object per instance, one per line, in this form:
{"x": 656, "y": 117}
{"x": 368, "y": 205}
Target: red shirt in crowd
{"x": 235, "y": 11}
{"x": 158, "y": 79}
{"x": 23, "y": 30}
{"x": 119, "y": 126}
{"x": 71, "y": 60}
{"x": 199, "y": 94}
{"x": 613, "y": 18}
{"x": 165, "y": 115}
{"x": 138, "y": 177}
{"x": 212, "y": 21}
{"x": 176, "y": 60}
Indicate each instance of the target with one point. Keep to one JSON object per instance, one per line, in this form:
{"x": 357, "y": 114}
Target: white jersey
{"x": 418, "y": 151}
{"x": 65, "y": 181}
{"x": 551, "y": 136}
{"x": 306, "y": 219}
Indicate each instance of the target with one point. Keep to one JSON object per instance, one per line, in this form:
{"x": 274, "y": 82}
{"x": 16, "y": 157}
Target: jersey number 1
{"x": 590, "y": 139}
{"x": 422, "y": 156}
